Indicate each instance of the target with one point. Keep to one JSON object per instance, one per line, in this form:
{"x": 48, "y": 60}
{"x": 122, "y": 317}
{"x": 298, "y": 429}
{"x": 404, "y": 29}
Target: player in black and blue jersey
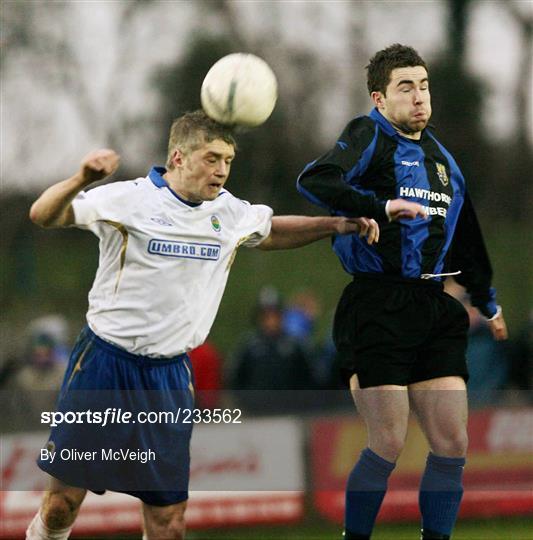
{"x": 401, "y": 338}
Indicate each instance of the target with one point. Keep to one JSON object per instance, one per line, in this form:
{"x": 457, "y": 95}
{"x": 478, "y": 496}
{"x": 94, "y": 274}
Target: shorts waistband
{"x": 428, "y": 284}
{"x": 138, "y": 358}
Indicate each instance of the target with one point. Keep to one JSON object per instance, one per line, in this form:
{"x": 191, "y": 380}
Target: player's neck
{"x": 173, "y": 180}
{"x": 408, "y": 134}
{"x": 413, "y": 135}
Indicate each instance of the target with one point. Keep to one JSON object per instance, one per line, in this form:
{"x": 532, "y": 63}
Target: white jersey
{"x": 164, "y": 263}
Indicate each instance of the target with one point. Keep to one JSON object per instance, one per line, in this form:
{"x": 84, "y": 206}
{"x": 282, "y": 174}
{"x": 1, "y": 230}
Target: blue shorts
{"x": 122, "y": 427}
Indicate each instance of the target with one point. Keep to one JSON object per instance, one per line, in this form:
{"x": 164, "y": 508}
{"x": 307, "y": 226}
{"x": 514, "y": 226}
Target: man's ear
{"x": 378, "y": 99}
{"x": 177, "y": 158}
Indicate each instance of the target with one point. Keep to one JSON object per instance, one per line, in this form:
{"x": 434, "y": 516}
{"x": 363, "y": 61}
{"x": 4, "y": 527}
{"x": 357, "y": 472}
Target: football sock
{"x": 346, "y": 535}
{"x": 37, "y": 530}
{"x": 430, "y": 535}
{"x": 365, "y": 490}
{"x": 441, "y": 491}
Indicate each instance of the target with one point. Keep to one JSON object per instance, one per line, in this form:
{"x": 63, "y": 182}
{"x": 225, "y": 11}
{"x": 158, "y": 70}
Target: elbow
{"x": 36, "y": 216}
{"x": 302, "y": 184}
{"x": 39, "y": 218}
{"x": 308, "y": 187}
{"x": 265, "y": 246}
{"x": 269, "y": 243}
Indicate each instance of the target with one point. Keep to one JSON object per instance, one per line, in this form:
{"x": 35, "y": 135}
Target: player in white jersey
{"x": 167, "y": 243}
{"x": 181, "y": 253}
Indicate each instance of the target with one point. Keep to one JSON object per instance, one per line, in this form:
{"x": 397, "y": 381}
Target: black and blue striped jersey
{"x": 372, "y": 163}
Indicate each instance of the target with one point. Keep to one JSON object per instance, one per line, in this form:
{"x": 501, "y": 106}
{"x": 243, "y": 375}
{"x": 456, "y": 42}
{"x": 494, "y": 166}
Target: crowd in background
{"x": 280, "y": 365}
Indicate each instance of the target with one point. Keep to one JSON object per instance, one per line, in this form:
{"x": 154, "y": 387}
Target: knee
{"x": 59, "y": 511}
{"x": 175, "y": 529}
{"x": 394, "y": 445}
{"x": 453, "y": 445}
{"x": 167, "y": 527}
{"x": 388, "y": 444}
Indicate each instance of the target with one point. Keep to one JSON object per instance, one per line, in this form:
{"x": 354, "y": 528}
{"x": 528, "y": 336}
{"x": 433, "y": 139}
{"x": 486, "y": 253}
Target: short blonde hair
{"x": 194, "y": 129}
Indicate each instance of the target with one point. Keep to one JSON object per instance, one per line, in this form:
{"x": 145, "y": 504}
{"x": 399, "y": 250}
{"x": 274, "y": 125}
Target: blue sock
{"x": 441, "y": 491}
{"x": 365, "y": 490}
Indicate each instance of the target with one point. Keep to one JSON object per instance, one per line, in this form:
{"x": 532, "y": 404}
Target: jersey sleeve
{"x": 103, "y": 203}
{"x": 469, "y": 254}
{"x": 327, "y": 181}
{"x": 255, "y": 223}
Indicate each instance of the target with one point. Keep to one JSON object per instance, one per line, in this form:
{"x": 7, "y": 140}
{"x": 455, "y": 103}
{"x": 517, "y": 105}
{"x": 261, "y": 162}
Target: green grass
{"x": 493, "y": 529}
{"x": 487, "y": 529}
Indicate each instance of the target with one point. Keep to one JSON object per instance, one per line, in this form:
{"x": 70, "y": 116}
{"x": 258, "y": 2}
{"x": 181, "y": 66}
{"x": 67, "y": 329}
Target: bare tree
{"x": 522, "y": 13}
{"x": 63, "y": 59}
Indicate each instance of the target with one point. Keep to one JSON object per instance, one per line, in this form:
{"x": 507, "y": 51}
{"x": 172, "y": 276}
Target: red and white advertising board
{"x": 240, "y": 474}
{"x": 498, "y": 477}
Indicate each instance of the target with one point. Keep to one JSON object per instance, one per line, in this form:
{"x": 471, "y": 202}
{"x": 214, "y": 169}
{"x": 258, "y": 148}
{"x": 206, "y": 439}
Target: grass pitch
{"x": 488, "y": 529}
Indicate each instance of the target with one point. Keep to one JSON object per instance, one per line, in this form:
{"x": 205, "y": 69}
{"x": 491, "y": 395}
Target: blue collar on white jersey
{"x": 156, "y": 176}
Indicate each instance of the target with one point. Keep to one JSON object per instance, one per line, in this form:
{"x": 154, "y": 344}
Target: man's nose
{"x": 419, "y": 97}
{"x": 222, "y": 169}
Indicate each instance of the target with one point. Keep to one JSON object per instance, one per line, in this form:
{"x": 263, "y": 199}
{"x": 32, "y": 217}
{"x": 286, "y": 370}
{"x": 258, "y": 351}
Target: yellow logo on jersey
{"x": 441, "y": 173}
{"x": 215, "y": 222}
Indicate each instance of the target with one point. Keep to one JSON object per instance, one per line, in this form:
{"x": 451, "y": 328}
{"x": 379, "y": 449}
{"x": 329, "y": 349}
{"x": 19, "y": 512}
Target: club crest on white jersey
{"x": 215, "y": 223}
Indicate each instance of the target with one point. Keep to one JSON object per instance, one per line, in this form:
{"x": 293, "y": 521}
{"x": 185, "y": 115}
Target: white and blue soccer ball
{"x": 239, "y": 89}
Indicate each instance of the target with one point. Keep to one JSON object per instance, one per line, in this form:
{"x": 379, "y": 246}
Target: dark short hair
{"x": 383, "y": 62}
{"x": 192, "y": 130}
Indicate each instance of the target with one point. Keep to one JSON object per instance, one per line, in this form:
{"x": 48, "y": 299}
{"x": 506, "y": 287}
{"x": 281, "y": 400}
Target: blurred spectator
{"x": 35, "y": 383}
{"x": 329, "y": 359}
{"x": 299, "y": 321}
{"x": 521, "y": 363}
{"x": 43, "y": 364}
{"x": 271, "y": 369}
{"x": 300, "y": 316}
{"x": 52, "y": 331}
{"x": 328, "y": 373}
{"x": 207, "y": 367}
{"x": 487, "y": 359}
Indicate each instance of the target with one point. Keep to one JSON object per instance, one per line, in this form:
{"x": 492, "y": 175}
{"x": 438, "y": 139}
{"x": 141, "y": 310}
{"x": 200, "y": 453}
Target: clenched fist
{"x": 98, "y": 164}
{"x": 362, "y": 226}
{"x": 498, "y": 327}
{"x": 400, "y": 208}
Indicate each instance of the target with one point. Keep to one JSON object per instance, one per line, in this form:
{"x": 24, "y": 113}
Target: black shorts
{"x": 399, "y": 331}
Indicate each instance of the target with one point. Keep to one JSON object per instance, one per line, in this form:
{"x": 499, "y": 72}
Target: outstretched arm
{"x": 326, "y": 187}
{"x": 53, "y": 208}
{"x": 296, "y": 231}
{"x": 468, "y": 254}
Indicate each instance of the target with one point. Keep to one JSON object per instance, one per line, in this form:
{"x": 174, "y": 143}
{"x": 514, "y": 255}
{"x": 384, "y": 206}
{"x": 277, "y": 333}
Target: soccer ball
{"x": 239, "y": 89}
